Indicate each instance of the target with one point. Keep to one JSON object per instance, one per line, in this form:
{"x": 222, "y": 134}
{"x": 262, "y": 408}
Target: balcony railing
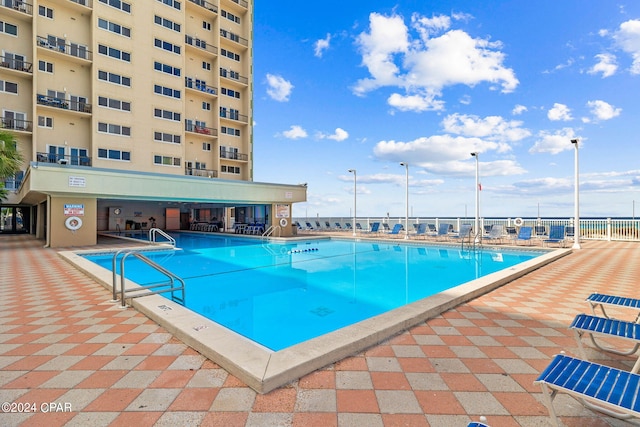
{"x": 234, "y": 37}
{"x": 234, "y": 156}
{"x": 20, "y": 6}
{"x": 86, "y": 3}
{"x": 209, "y": 6}
{"x": 241, "y": 3}
{"x": 193, "y": 84}
{"x": 72, "y": 49}
{"x": 201, "y": 44}
{"x": 203, "y": 130}
{"x": 232, "y": 115}
{"x": 233, "y": 75}
{"x": 16, "y": 124}
{"x": 64, "y": 104}
{"x": 63, "y": 159}
{"x": 16, "y": 64}
{"x": 207, "y": 173}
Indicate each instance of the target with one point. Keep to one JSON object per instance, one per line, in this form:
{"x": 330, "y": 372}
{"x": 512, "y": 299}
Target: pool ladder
{"x": 153, "y": 236}
{"x": 272, "y": 229}
{"x": 142, "y": 291}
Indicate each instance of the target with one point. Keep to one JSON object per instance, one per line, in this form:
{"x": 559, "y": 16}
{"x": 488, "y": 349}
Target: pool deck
{"x": 62, "y": 340}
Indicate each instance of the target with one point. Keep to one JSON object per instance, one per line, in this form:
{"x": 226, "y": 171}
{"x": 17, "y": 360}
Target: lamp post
{"x": 353, "y": 171}
{"x": 576, "y": 220}
{"x": 406, "y": 218}
{"x": 476, "y": 225}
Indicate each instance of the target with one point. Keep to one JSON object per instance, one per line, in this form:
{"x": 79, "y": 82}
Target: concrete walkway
{"x": 70, "y": 357}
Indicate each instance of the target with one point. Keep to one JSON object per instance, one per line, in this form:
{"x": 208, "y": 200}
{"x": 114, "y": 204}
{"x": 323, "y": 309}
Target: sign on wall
{"x": 77, "y": 181}
{"x": 74, "y": 210}
{"x": 282, "y": 211}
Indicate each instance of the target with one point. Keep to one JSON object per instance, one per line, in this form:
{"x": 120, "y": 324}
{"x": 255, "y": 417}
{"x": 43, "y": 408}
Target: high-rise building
{"x": 128, "y": 111}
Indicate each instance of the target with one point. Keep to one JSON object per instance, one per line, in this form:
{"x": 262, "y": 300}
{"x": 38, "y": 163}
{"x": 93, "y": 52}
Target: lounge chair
{"x": 432, "y": 230}
{"x": 477, "y": 424}
{"x": 556, "y": 235}
{"x": 338, "y": 226}
{"x": 309, "y": 226}
{"x": 524, "y": 234}
{"x": 610, "y": 328}
{"x": 540, "y": 231}
{"x": 421, "y": 230}
{"x": 385, "y": 227}
{"x": 600, "y": 300}
{"x": 318, "y": 226}
{"x": 443, "y": 231}
{"x": 512, "y": 233}
{"x": 396, "y": 229}
{"x": 463, "y": 233}
{"x": 374, "y": 227}
{"x": 608, "y": 390}
{"x": 347, "y": 226}
{"x": 358, "y": 226}
{"x": 496, "y": 233}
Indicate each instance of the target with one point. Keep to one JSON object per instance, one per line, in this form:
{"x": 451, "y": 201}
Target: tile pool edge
{"x": 264, "y": 370}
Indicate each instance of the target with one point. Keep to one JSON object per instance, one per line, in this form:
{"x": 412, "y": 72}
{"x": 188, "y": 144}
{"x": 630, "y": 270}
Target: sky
{"x": 366, "y": 85}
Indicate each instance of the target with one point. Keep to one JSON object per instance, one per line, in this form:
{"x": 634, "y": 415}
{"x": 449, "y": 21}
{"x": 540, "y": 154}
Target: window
{"x": 114, "y": 129}
{"x": 103, "y": 153}
{"x": 206, "y": 25}
{"x": 45, "y": 66}
{"x": 7, "y": 28}
{"x": 167, "y": 23}
{"x": 8, "y": 87}
{"x": 114, "y": 53}
{"x": 229, "y": 35}
{"x": 230, "y": 131}
{"x": 161, "y": 44}
{"x": 230, "y": 55}
{"x": 118, "y": 4}
{"x": 206, "y": 65}
{"x": 230, "y": 16}
{"x": 166, "y": 137}
{"x": 166, "y": 160}
{"x": 166, "y": 91}
{"x": 116, "y": 104}
{"x": 45, "y": 11}
{"x": 45, "y": 122}
{"x": 164, "y": 68}
{"x": 114, "y": 78}
{"x": 114, "y": 28}
{"x": 173, "y": 3}
{"x": 230, "y": 92}
{"x": 206, "y": 106}
{"x": 206, "y": 146}
{"x": 166, "y": 114}
{"x": 230, "y": 169}
{"x": 229, "y": 113}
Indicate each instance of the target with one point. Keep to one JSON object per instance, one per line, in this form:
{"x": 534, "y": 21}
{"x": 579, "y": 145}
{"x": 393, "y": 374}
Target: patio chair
{"x": 358, "y": 226}
{"x": 609, "y": 328}
{"x": 540, "y": 231}
{"x": 396, "y": 229}
{"x": 477, "y": 424}
{"x": 524, "y": 234}
{"x": 443, "y": 231}
{"x": 338, "y": 226}
{"x": 327, "y": 225}
{"x": 374, "y": 227}
{"x": 463, "y": 233}
{"x": 309, "y": 226}
{"x": 421, "y": 230}
{"x": 556, "y": 235}
{"x": 601, "y": 388}
{"x": 496, "y": 233}
{"x": 600, "y": 300}
{"x": 347, "y": 226}
{"x": 385, "y": 227}
{"x": 432, "y": 230}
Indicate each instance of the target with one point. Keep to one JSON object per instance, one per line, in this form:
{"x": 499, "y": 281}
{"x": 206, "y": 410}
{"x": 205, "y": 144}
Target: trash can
{"x": 294, "y": 229}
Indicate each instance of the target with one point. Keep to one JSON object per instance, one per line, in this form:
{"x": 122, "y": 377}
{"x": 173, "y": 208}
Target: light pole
{"x": 576, "y": 184}
{"x": 476, "y": 225}
{"x": 353, "y": 171}
{"x": 406, "y": 218}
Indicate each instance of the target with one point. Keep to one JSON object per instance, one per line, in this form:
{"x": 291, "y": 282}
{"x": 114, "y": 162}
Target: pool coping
{"x": 264, "y": 370}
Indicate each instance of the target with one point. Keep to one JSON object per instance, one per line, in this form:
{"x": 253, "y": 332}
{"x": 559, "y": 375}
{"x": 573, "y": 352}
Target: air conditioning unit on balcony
{"x": 63, "y": 161}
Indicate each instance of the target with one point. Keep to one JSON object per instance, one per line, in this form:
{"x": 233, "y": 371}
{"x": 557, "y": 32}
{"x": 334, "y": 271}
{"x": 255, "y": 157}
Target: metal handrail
{"x": 172, "y": 278}
{"x": 114, "y": 275}
{"x": 153, "y": 232}
{"x": 269, "y": 231}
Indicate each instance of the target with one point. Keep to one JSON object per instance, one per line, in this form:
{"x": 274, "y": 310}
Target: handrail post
{"x": 608, "y": 229}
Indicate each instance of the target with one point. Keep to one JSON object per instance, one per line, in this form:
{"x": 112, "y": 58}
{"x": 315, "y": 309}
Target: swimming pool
{"x": 280, "y": 294}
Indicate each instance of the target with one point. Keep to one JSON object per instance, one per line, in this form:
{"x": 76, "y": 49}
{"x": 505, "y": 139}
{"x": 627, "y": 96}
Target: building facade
{"x": 109, "y": 99}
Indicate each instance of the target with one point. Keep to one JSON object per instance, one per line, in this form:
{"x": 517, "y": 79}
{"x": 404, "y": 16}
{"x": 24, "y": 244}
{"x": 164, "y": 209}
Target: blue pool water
{"x": 281, "y": 294}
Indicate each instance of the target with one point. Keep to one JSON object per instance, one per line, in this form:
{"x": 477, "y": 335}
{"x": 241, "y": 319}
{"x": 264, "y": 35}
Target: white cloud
{"x": 339, "y": 135}
{"x": 389, "y": 178}
{"x": 606, "y": 65}
{"x": 279, "y": 89}
{"x": 295, "y": 132}
{"x": 423, "y": 65}
{"x": 554, "y": 143}
{"x": 628, "y": 38}
{"x": 603, "y": 110}
{"x": 321, "y": 45}
{"x": 491, "y": 127}
{"x": 518, "y": 109}
{"x": 559, "y": 112}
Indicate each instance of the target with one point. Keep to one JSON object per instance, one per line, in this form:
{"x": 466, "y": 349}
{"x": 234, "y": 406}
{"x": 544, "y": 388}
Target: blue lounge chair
{"x": 601, "y": 388}
{"x": 477, "y": 424}
{"x": 358, "y": 226}
{"x": 524, "y": 234}
{"x": 309, "y": 226}
{"x": 556, "y": 235}
{"x": 338, "y": 226}
{"x": 463, "y": 233}
{"x": 396, "y": 229}
{"x": 603, "y": 327}
{"x": 600, "y": 300}
{"x": 432, "y": 230}
{"x": 443, "y": 231}
{"x": 347, "y": 226}
{"x": 540, "y": 231}
{"x": 421, "y": 230}
{"x": 374, "y": 227}
{"x": 385, "y": 227}
{"x": 496, "y": 233}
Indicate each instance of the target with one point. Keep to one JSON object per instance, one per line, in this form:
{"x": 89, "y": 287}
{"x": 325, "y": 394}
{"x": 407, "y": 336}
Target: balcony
{"x": 232, "y": 155}
{"x": 64, "y": 104}
{"x": 202, "y": 130}
{"x": 12, "y": 183}
{"x": 234, "y": 115}
{"x": 63, "y": 159}
{"x": 242, "y": 3}
{"x": 72, "y": 49}
{"x": 206, "y": 173}
{"x": 234, "y": 76}
{"x": 198, "y": 85}
{"x": 15, "y": 64}
{"x": 209, "y": 6}
{"x": 200, "y": 44}
{"x": 22, "y": 7}
{"x": 234, "y": 37}
{"x": 16, "y": 124}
